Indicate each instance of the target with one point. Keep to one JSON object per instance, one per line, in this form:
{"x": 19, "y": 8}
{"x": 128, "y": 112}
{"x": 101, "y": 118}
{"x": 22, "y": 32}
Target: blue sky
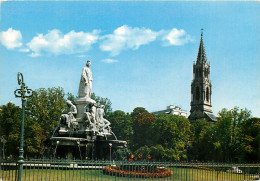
{"x": 142, "y": 52}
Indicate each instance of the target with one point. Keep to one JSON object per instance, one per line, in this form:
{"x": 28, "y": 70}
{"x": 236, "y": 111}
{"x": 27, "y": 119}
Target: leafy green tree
{"x": 228, "y": 134}
{"x": 172, "y": 132}
{"x": 142, "y": 127}
{"x": 159, "y": 153}
{"x": 201, "y": 147}
{"x": 45, "y": 108}
{"x": 136, "y": 112}
{"x": 169, "y": 136}
{"x": 249, "y": 137}
{"x": 33, "y": 138}
{"x": 121, "y": 124}
{"x": 10, "y": 119}
{"x": 10, "y": 126}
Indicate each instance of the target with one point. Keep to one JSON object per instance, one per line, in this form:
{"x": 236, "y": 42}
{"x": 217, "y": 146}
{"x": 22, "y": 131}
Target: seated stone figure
{"x": 69, "y": 118}
{"x": 102, "y": 124}
{"x": 90, "y": 115}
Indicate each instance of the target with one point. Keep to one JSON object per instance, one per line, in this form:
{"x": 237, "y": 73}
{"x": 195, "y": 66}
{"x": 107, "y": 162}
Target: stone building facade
{"x": 174, "y": 110}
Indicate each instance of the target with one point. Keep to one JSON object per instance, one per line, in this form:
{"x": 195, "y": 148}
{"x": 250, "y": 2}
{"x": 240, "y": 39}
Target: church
{"x": 201, "y": 88}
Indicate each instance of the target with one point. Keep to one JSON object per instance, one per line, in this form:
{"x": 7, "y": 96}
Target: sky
{"x": 142, "y": 52}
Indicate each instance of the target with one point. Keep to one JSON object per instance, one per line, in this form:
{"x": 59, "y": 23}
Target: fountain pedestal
{"x": 83, "y": 133}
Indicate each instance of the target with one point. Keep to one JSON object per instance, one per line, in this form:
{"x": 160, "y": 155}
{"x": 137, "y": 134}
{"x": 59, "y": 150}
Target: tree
{"x": 10, "y": 119}
{"x": 121, "y": 124}
{"x": 201, "y": 147}
{"x": 45, "y": 108}
{"x": 33, "y": 138}
{"x": 172, "y": 132}
{"x": 249, "y": 137}
{"x": 137, "y": 111}
{"x": 142, "y": 127}
{"x": 228, "y": 134}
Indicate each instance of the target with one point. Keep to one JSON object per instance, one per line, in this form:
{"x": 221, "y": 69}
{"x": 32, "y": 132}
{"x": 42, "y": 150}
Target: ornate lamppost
{"x": 23, "y": 93}
{"x": 110, "y": 149}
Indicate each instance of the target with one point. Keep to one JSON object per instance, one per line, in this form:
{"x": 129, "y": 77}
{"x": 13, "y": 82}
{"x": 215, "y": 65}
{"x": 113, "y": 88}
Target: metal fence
{"x": 60, "y": 170}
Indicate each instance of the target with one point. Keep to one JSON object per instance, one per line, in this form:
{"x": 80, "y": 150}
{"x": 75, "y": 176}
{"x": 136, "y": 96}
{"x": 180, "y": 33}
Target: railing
{"x": 104, "y": 170}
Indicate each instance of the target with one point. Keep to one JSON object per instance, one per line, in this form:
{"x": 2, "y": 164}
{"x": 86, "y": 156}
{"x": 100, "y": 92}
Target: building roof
{"x": 171, "y": 110}
{"x": 210, "y": 116}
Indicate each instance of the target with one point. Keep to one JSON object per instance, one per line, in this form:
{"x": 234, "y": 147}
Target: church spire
{"x": 201, "y": 89}
{"x": 201, "y": 53}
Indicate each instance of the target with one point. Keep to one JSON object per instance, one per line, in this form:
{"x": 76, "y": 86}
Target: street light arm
{"x": 29, "y": 92}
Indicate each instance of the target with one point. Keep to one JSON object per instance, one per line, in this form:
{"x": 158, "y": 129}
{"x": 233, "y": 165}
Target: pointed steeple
{"x": 201, "y": 53}
{"x": 201, "y": 89}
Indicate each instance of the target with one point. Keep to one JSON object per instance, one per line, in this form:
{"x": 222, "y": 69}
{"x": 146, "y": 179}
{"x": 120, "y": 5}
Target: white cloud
{"x": 126, "y": 37}
{"x": 109, "y": 60}
{"x": 176, "y": 37}
{"x": 122, "y": 38}
{"x": 11, "y": 38}
{"x": 55, "y": 42}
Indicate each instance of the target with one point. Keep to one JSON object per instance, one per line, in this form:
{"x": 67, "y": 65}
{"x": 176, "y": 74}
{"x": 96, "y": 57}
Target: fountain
{"x": 83, "y": 133}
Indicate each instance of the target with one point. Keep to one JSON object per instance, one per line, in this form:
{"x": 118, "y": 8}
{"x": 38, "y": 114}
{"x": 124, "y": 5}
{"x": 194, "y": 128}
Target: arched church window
{"x": 197, "y": 93}
{"x": 207, "y": 94}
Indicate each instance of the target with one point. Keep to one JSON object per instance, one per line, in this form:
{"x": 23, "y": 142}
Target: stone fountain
{"x": 83, "y": 133}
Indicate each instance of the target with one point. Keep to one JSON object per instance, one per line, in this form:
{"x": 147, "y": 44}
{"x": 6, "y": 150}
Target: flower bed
{"x": 137, "y": 171}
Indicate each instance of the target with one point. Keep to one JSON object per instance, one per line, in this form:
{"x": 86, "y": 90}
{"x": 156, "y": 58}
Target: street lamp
{"x": 23, "y": 93}
{"x": 110, "y": 146}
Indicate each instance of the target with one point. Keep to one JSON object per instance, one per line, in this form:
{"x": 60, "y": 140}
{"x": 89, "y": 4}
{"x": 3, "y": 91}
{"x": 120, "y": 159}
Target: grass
{"x": 179, "y": 174}
{"x": 205, "y": 175}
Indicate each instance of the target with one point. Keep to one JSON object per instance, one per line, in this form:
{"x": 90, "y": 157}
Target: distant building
{"x": 174, "y": 110}
{"x": 201, "y": 88}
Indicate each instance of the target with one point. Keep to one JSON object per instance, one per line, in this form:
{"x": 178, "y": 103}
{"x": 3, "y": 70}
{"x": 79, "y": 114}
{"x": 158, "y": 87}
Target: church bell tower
{"x": 201, "y": 88}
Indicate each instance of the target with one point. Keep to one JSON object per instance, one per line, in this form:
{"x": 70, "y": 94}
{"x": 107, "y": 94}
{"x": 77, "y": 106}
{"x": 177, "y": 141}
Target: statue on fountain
{"x": 90, "y": 115}
{"x": 102, "y": 124}
{"x": 84, "y": 131}
{"x": 85, "y": 84}
{"x": 85, "y": 115}
{"x": 69, "y": 118}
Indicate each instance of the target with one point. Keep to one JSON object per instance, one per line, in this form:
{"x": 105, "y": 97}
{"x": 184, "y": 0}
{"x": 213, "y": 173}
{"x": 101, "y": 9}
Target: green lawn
{"x": 179, "y": 174}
